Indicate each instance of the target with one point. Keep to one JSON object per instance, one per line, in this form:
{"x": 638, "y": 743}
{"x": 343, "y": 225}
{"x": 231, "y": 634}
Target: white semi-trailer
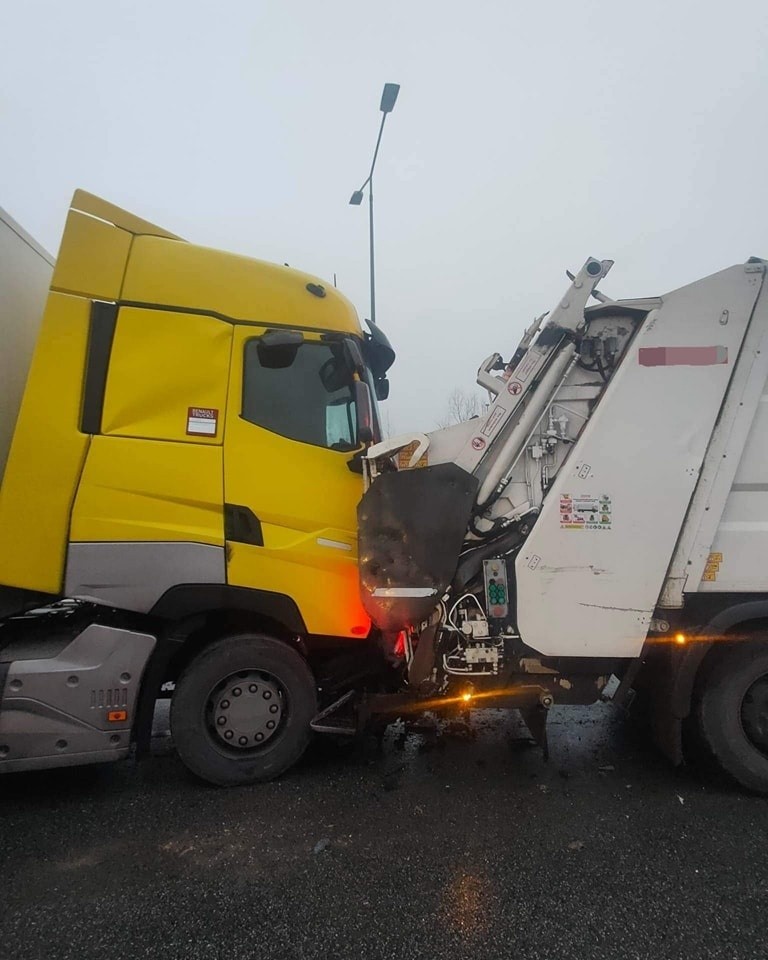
{"x": 26, "y": 276}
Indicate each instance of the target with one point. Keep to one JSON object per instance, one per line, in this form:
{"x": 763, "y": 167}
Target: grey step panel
{"x": 58, "y": 707}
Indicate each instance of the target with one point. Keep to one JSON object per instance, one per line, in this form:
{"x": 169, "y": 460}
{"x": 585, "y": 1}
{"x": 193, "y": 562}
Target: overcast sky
{"x": 527, "y": 136}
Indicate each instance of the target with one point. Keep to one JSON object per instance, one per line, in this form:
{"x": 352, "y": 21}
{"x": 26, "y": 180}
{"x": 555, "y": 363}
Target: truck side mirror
{"x": 277, "y": 349}
{"x": 382, "y": 388}
{"x": 364, "y": 409}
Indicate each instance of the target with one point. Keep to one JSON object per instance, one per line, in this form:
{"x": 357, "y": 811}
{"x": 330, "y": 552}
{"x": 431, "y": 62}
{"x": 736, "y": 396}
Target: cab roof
{"x": 109, "y": 253}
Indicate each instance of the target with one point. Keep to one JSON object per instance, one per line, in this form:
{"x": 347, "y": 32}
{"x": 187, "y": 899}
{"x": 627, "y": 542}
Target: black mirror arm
{"x": 355, "y": 464}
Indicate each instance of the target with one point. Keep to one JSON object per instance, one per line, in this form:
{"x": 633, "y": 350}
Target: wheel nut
{"x": 270, "y": 724}
{"x": 243, "y": 741}
{"x": 267, "y": 695}
{"x": 259, "y": 737}
{"x": 274, "y": 708}
{"x": 236, "y": 692}
{"x": 224, "y": 704}
{"x": 221, "y": 721}
{"x": 253, "y": 688}
{"x": 229, "y": 734}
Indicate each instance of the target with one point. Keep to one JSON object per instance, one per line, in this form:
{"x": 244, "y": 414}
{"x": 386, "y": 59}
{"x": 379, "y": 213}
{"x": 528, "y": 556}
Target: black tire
{"x": 726, "y": 731}
{"x": 285, "y": 673}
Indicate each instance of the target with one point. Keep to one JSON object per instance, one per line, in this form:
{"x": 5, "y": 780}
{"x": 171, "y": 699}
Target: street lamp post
{"x": 388, "y": 98}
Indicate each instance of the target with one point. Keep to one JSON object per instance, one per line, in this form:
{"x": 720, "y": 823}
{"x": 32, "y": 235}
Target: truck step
{"x": 327, "y": 721}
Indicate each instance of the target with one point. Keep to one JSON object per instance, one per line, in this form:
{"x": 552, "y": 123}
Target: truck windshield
{"x": 309, "y": 398}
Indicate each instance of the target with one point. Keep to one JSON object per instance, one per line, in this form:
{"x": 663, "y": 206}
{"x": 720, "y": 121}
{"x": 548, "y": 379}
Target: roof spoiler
{"x": 95, "y": 247}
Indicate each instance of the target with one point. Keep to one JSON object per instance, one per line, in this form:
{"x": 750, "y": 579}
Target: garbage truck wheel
{"x": 241, "y": 710}
{"x": 732, "y": 713}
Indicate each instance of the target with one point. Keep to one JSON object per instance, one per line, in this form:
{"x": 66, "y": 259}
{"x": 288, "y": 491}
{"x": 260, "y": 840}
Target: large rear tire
{"x": 241, "y": 710}
{"x": 732, "y": 713}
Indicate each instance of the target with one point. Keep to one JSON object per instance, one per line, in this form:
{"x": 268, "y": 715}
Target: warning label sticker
{"x": 526, "y": 365}
{"x": 202, "y": 421}
{"x": 494, "y": 419}
{"x": 712, "y": 568}
{"x": 585, "y": 513}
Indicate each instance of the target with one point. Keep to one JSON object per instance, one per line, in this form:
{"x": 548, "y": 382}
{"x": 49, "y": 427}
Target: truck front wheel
{"x": 241, "y": 710}
{"x": 732, "y": 713}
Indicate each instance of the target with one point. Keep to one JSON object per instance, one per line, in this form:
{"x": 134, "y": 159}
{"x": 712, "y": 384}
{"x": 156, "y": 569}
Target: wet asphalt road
{"x": 472, "y": 846}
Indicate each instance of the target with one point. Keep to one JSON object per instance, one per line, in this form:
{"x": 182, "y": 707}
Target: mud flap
{"x": 412, "y": 526}
{"x": 535, "y": 718}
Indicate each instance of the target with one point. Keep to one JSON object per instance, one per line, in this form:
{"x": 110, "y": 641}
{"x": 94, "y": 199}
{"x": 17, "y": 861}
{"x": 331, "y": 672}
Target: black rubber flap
{"x": 411, "y": 526}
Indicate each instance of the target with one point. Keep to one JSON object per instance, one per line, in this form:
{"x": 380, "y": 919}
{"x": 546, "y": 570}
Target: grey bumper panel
{"x": 133, "y": 576}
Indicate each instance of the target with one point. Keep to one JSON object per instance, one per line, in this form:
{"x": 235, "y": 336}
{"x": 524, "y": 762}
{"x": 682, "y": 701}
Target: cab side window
{"x": 304, "y": 394}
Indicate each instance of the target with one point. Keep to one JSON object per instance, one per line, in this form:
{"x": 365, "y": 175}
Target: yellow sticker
{"x": 404, "y": 457}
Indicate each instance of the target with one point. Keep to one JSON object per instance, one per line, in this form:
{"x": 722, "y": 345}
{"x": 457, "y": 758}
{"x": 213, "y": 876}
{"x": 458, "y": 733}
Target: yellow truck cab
{"x": 184, "y": 475}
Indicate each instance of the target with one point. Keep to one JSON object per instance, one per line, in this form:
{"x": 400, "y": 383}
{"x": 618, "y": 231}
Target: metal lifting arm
{"x": 498, "y": 440}
{"x": 495, "y": 445}
{"x": 414, "y": 523}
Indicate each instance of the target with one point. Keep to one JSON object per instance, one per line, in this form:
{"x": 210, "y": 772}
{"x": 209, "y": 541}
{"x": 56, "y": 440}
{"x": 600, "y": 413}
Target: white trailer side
{"x": 25, "y": 275}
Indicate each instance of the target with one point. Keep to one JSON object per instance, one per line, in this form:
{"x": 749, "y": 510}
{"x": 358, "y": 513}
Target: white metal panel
{"x": 740, "y": 546}
{"x": 590, "y": 590}
{"x": 734, "y": 451}
{"x": 25, "y": 274}
{"x": 445, "y": 444}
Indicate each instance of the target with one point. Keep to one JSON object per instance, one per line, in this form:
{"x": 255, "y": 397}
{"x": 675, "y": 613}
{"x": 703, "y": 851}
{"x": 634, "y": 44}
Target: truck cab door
{"x": 290, "y": 512}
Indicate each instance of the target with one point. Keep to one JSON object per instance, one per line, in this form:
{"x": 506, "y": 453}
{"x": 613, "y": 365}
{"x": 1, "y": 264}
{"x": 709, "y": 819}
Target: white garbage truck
{"x": 607, "y": 515}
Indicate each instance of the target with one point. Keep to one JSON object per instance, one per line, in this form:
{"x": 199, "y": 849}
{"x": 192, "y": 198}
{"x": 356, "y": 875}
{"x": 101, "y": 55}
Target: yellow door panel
{"x": 305, "y": 498}
{"x": 47, "y": 452}
{"x": 323, "y": 582}
{"x": 146, "y": 490}
{"x": 167, "y": 376}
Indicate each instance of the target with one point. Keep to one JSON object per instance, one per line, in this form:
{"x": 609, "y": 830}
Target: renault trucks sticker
{"x": 202, "y": 421}
{"x": 583, "y": 512}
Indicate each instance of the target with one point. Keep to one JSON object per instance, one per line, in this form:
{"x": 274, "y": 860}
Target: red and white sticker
{"x": 515, "y": 387}
{"x": 682, "y": 356}
{"x": 202, "y": 421}
{"x": 478, "y": 443}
